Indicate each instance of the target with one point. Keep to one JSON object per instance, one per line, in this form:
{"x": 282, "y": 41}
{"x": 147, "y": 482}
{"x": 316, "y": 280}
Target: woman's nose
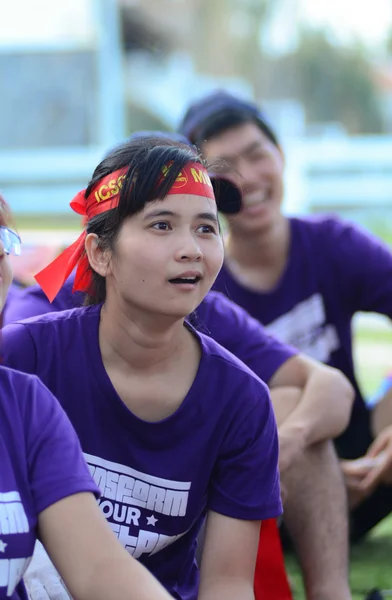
{"x": 190, "y": 249}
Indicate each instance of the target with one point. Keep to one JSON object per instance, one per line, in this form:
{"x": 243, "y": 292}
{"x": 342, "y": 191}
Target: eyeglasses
{"x": 10, "y": 240}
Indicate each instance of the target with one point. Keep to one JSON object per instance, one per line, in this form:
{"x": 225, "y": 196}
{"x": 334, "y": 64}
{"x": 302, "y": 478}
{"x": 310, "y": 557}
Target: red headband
{"x": 105, "y": 195}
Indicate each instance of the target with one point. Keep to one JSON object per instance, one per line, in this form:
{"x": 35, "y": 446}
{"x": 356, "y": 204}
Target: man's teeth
{"x": 255, "y": 201}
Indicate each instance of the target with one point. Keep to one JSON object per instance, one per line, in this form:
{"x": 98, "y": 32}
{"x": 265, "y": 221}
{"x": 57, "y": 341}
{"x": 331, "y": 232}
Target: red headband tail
{"x": 83, "y": 277}
{"x": 52, "y": 278}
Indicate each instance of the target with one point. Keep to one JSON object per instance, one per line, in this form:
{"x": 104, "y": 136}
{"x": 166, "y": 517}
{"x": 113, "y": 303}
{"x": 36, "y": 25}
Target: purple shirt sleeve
{"x": 246, "y": 479}
{"x": 32, "y": 302}
{"x": 234, "y": 329}
{"x": 27, "y": 304}
{"x": 56, "y": 465}
{"x": 363, "y": 266}
{"x": 17, "y": 348}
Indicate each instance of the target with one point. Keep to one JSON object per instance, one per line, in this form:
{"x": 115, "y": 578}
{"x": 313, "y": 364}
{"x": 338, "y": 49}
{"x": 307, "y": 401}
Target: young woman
{"x": 46, "y": 490}
{"x": 174, "y": 428}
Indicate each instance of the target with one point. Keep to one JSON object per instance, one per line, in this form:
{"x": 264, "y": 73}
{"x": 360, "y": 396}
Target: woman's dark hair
{"x": 143, "y": 183}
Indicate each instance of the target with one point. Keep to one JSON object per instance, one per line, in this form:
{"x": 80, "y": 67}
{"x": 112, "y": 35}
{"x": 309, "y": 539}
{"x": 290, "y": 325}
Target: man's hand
{"x": 365, "y": 474}
{"x": 381, "y": 452}
{"x": 354, "y": 472}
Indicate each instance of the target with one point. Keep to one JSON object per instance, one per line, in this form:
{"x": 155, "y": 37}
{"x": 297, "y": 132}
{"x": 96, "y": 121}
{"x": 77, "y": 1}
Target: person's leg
{"x": 315, "y": 512}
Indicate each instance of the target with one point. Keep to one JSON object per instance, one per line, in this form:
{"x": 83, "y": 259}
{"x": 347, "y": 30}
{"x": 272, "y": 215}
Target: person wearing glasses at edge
{"x": 173, "y": 427}
{"x": 303, "y": 278}
{"x": 308, "y": 466}
{"x": 47, "y": 492}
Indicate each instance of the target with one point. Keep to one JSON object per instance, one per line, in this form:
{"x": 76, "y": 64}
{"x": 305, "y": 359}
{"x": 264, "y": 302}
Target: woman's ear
{"x": 98, "y": 257}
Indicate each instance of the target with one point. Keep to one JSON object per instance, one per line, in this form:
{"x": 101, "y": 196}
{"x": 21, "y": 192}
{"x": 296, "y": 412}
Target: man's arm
{"x": 325, "y": 402}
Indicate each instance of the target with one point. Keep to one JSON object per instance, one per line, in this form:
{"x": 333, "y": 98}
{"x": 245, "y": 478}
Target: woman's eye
{"x": 161, "y": 226}
{"x": 206, "y": 229}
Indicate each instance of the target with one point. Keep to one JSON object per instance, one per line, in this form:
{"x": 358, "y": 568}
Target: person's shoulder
{"x": 224, "y": 320}
{"x": 216, "y": 304}
{"x": 328, "y": 225}
{"x": 25, "y": 338}
{"x": 18, "y": 380}
{"x": 15, "y": 386}
{"x": 227, "y": 365}
{"x": 334, "y": 236}
{"x": 216, "y": 298}
{"x": 26, "y": 394}
{"x": 320, "y": 223}
{"x": 57, "y": 319}
{"x": 12, "y": 378}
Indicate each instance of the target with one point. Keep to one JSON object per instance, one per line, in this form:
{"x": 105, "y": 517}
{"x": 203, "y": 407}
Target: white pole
{"x": 110, "y": 73}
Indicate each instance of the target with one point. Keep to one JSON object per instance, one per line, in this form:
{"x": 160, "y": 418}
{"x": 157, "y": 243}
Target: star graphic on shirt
{"x": 3, "y": 546}
{"x": 151, "y": 520}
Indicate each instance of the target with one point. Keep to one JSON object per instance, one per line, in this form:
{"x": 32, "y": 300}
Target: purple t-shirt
{"x": 14, "y": 292}
{"x": 217, "y": 317}
{"x": 41, "y": 462}
{"x": 218, "y": 451}
{"x": 31, "y": 301}
{"x": 334, "y": 270}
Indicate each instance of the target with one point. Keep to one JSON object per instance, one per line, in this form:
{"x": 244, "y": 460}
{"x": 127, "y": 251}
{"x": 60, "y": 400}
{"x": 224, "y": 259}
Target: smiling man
{"x": 304, "y": 279}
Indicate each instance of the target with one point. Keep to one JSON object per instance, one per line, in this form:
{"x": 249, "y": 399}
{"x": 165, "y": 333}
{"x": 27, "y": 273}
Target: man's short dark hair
{"x": 218, "y": 112}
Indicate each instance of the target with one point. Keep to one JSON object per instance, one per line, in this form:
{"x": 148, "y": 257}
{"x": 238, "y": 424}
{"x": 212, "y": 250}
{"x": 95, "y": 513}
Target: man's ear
{"x": 281, "y": 151}
{"x": 98, "y": 258}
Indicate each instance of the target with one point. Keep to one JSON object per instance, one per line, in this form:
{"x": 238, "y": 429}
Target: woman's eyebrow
{"x": 160, "y": 213}
{"x": 210, "y": 216}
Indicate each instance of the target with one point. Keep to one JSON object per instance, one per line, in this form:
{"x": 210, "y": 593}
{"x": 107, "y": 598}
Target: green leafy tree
{"x": 228, "y": 34}
{"x": 388, "y": 44}
{"x": 336, "y": 83}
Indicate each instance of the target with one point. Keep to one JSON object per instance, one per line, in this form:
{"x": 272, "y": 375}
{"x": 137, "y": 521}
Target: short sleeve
{"x": 29, "y": 303}
{"x": 17, "y": 348}
{"x": 56, "y": 465}
{"x": 234, "y": 329}
{"x": 363, "y": 266}
{"x": 32, "y": 302}
{"x": 245, "y": 483}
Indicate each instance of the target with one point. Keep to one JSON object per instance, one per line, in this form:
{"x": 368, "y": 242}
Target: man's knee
{"x": 316, "y": 465}
{"x": 284, "y": 400}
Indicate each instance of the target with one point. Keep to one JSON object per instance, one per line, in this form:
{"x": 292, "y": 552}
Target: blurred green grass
{"x": 67, "y": 222}
{"x": 370, "y": 565}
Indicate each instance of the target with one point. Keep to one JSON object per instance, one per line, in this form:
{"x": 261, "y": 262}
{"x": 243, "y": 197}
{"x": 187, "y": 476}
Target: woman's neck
{"x": 262, "y": 249}
{"x": 138, "y": 342}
